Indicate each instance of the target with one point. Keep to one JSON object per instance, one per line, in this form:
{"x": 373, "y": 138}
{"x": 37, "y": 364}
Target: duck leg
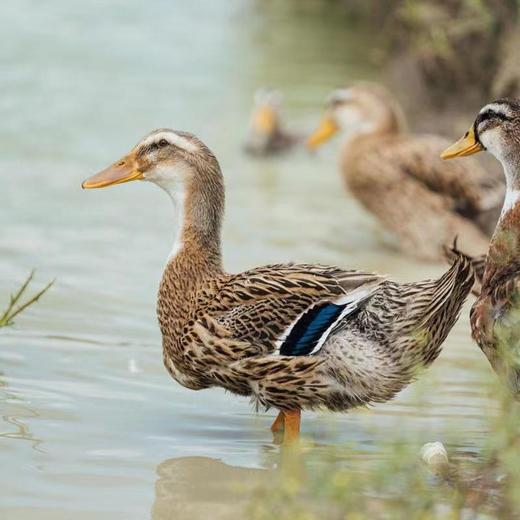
{"x": 292, "y": 419}
{"x": 277, "y": 428}
{"x": 278, "y": 423}
{"x": 286, "y": 426}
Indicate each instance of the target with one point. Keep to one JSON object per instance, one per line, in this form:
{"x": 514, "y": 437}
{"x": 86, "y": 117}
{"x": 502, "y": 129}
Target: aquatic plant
{"x": 15, "y": 307}
{"x": 340, "y": 483}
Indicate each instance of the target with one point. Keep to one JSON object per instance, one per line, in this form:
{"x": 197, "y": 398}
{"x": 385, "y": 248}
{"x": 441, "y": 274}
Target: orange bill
{"x": 466, "y": 145}
{"x": 124, "y": 170}
{"x": 264, "y": 120}
{"x": 326, "y": 129}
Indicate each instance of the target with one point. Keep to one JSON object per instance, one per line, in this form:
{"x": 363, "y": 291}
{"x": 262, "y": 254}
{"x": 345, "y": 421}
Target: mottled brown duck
{"x": 399, "y": 178}
{"x": 291, "y": 336}
{"x": 266, "y": 134}
{"x": 495, "y": 316}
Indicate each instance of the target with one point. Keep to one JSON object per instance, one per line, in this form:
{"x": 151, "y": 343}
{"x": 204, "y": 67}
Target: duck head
{"x": 264, "y": 124}
{"x": 168, "y": 158}
{"x": 362, "y": 108}
{"x": 187, "y": 170}
{"x": 495, "y": 129}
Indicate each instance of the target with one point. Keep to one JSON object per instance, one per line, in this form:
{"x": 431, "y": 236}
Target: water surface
{"x": 92, "y": 426}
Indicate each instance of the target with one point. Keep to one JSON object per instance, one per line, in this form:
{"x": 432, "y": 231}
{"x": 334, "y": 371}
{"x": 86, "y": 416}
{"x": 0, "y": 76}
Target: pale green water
{"x": 92, "y": 425}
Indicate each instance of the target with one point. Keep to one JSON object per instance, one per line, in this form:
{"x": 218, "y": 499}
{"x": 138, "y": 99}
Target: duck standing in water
{"x": 266, "y": 134}
{"x": 291, "y": 336}
{"x": 400, "y": 179}
{"x": 495, "y": 316}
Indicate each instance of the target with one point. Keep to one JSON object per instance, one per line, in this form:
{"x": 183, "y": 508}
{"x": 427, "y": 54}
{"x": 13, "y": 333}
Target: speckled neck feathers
{"x": 504, "y": 249}
{"x": 200, "y": 204}
{"x": 195, "y": 261}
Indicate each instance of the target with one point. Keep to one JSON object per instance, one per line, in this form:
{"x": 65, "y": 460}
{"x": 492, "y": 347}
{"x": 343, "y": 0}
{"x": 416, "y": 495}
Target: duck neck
{"x": 505, "y": 243}
{"x": 386, "y": 120}
{"x": 382, "y": 121}
{"x": 199, "y": 205}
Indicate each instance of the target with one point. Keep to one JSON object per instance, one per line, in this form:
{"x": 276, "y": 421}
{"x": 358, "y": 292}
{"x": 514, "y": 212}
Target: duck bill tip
{"x": 466, "y": 145}
{"x": 118, "y": 173}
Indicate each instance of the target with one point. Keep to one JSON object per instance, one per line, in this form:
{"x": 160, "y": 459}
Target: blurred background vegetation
{"x": 465, "y": 47}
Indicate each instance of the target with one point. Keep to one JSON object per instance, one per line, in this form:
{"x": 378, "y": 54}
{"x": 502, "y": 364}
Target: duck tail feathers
{"x": 452, "y": 287}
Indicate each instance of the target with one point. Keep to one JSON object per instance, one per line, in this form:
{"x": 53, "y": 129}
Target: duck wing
{"x": 290, "y": 309}
{"x": 406, "y": 185}
{"x": 471, "y": 188}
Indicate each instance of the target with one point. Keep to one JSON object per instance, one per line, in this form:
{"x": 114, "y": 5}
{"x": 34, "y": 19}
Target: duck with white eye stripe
{"x": 399, "y": 178}
{"x": 495, "y": 316}
{"x": 291, "y": 336}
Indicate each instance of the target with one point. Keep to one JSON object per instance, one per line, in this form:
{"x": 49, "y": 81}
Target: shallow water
{"x": 92, "y": 425}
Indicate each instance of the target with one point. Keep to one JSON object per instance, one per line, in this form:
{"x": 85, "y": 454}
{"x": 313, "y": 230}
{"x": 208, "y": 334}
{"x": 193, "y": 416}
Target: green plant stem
{"x": 11, "y": 312}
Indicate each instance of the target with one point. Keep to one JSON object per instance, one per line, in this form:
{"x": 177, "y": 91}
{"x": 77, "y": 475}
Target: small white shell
{"x": 434, "y": 453}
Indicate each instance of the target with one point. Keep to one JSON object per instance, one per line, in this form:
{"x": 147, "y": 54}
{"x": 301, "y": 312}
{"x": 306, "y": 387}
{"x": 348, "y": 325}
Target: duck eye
{"x": 163, "y": 142}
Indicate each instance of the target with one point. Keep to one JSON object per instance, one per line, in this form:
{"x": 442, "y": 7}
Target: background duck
{"x": 401, "y": 180}
{"x": 267, "y": 134}
{"x": 291, "y": 336}
{"x": 495, "y": 316}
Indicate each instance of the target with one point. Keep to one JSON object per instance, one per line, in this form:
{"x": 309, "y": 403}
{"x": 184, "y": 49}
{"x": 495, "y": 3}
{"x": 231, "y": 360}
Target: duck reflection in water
{"x": 193, "y": 488}
{"x": 320, "y": 480}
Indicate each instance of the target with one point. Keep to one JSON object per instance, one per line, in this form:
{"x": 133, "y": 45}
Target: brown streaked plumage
{"x": 400, "y": 179}
{"x": 291, "y": 336}
{"x": 266, "y": 134}
{"x": 495, "y": 316}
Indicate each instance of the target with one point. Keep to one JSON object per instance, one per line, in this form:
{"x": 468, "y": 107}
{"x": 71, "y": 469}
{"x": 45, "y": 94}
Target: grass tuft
{"x": 15, "y": 306}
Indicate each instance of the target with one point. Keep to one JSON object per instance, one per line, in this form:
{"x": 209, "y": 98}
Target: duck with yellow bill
{"x": 495, "y": 316}
{"x": 267, "y": 134}
{"x": 399, "y": 178}
{"x": 290, "y": 336}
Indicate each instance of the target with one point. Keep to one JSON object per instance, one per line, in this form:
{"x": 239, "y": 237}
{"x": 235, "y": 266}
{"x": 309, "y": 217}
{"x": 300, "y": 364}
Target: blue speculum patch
{"x": 307, "y": 332}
